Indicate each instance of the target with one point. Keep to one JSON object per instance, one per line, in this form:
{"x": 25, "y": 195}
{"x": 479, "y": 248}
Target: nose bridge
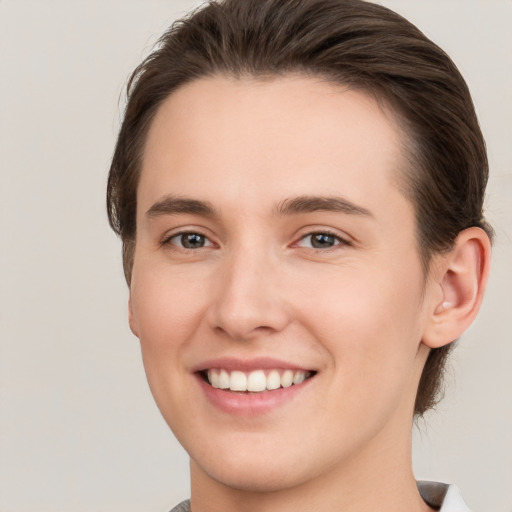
{"x": 248, "y": 299}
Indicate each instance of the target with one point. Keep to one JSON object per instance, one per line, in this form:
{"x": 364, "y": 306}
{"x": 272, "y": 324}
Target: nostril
{"x": 239, "y": 334}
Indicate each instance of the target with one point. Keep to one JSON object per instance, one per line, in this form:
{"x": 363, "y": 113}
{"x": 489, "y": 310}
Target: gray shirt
{"x": 443, "y": 496}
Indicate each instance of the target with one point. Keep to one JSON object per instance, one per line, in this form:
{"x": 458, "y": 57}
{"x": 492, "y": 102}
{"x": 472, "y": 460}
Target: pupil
{"x": 322, "y": 240}
{"x": 192, "y": 241}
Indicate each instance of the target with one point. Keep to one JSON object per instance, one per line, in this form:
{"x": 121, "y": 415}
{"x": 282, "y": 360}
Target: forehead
{"x": 248, "y": 140}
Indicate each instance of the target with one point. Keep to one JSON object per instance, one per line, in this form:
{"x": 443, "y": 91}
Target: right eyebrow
{"x": 175, "y": 205}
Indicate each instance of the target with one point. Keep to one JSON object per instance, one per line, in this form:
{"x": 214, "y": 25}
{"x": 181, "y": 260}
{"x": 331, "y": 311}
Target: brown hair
{"x": 350, "y": 42}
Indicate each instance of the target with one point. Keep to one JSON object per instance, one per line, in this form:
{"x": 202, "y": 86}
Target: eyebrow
{"x": 309, "y": 204}
{"x": 176, "y": 205}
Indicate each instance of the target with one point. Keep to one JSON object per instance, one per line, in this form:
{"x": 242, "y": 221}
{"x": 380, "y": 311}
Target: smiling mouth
{"x": 256, "y": 381}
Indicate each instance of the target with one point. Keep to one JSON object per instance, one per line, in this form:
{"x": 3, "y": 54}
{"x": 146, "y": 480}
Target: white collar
{"x": 445, "y": 496}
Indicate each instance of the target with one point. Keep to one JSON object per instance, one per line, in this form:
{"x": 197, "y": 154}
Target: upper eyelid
{"x": 341, "y": 241}
{"x": 183, "y": 230}
{"x": 327, "y": 231}
{"x": 322, "y": 232}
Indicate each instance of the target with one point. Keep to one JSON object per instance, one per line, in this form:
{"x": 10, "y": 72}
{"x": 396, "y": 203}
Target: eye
{"x": 321, "y": 240}
{"x": 189, "y": 240}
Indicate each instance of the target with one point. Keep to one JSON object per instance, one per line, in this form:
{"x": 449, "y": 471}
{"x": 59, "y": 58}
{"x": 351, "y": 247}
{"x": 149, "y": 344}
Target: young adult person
{"x": 298, "y": 185}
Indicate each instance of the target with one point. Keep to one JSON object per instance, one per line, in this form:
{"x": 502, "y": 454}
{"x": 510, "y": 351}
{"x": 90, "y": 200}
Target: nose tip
{"x": 250, "y": 324}
{"x": 248, "y": 304}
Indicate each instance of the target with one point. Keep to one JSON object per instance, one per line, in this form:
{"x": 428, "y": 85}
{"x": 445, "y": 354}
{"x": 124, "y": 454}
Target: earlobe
{"x": 131, "y": 319}
{"x": 462, "y": 278}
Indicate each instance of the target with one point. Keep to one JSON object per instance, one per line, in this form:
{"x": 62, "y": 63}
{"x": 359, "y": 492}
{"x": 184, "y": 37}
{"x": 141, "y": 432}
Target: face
{"x": 277, "y": 289}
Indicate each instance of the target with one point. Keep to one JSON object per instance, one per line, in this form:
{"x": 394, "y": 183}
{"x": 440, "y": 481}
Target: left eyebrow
{"x": 310, "y": 204}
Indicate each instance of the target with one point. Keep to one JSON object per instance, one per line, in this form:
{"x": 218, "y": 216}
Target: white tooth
{"x": 287, "y": 379}
{"x": 257, "y": 381}
{"x": 299, "y": 377}
{"x": 223, "y": 379}
{"x": 238, "y": 381}
{"x": 273, "y": 380}
{"x": 213, "y": 377}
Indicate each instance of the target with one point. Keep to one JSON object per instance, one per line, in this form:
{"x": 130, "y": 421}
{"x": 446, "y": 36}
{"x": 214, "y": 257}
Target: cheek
{"x": 370, "y": 323}
{"x": 166, "y": 306}
{"x": 167, "y": 310}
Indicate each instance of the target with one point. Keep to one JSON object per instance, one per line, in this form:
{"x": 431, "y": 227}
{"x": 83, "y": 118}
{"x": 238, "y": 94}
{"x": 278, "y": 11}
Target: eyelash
{"x": 338, "y": 240}
{"x": 167, "y": 240}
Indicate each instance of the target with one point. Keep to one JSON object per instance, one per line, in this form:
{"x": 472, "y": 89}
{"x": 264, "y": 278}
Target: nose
{"x": 249, "y": 298}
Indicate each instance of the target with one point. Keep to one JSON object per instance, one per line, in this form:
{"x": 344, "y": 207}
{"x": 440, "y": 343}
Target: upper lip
{"x": 248, "y": 365}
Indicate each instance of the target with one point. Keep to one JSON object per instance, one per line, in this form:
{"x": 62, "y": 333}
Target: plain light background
{"x": 78, "y": 427}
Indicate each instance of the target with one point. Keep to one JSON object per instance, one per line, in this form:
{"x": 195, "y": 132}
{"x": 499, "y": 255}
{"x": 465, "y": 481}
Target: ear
{"x": 460, "y": 280}
{"x": 131, "y": 318}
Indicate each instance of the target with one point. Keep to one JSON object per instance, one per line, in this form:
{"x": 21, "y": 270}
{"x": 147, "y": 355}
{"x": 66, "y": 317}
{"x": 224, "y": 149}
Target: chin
{"x": 255, "y": 479}
{"x": 259, "y": 471}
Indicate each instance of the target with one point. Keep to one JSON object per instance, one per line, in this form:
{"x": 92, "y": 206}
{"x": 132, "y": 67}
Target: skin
{"x": 359, "y": 313}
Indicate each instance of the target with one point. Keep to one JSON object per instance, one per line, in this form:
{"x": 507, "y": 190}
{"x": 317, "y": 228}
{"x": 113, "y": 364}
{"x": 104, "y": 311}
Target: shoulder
{"x": 184, "y": 506}
{"x": 443, "y": 496}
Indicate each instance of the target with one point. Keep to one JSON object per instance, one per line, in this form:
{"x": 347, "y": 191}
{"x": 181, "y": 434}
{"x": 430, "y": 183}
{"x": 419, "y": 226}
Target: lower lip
{"x": 251, "y": 404}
